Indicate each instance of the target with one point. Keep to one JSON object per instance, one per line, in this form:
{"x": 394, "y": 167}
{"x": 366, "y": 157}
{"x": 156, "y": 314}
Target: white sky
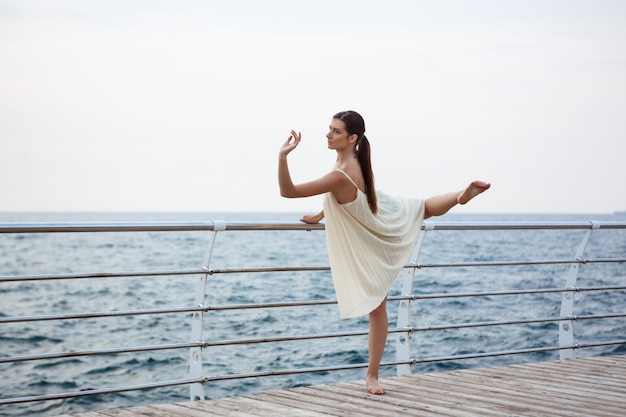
{"x": 182, "y": 105}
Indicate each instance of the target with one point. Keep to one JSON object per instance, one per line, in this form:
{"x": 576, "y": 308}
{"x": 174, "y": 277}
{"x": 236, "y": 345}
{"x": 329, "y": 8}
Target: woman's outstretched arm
{"x": 329, "y": 182}
{"x": 287, "y": 187}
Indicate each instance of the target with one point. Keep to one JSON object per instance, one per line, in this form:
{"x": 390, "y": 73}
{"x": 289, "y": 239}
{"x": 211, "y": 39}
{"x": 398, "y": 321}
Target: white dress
{"x": 367, "y": 251}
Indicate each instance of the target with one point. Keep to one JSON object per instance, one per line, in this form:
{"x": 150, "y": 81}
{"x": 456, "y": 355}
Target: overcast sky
{"x": 182, "y": 105}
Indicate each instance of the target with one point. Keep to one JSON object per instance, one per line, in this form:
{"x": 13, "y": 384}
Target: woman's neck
{"x": 345, "y": 158}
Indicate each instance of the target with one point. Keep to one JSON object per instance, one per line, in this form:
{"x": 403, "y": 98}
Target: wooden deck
{"x": 582, "y": 387}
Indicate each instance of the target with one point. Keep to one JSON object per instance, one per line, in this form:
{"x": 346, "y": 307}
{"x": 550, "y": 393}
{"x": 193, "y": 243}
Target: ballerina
{"x": 369, "y": 234}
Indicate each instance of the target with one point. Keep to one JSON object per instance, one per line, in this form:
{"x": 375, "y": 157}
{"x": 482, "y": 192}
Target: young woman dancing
{"x": 370, "y": 235}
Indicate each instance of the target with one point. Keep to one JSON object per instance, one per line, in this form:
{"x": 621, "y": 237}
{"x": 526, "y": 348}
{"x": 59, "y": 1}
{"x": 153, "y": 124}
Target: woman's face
{"x": 338, "y": 137}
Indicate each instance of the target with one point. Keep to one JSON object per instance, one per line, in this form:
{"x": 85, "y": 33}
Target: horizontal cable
{"x": 414, "y": 297}
{"x": 221, "y": 307}
{"x": 406, "y": 362}
{"x": 100, "y": 314}
{"x": 290, "y": 338}
{"x": 295, "y": 371}
{"x": 126, "y": 274}
{"x": 420, "y": 266}
{"x": 512, "y": 322}
{"x": 501, "y": 293}
{"x": 597, "y": 316}
{"x": 88, "y": 275}
{"x": 516, "y": 263}
{"x": 112, "y": 351}
{"x": 406, "y": 329}
{"x": 516, "y": 352}
{"x": 269, "y": 269}
{"x": 225, "y": 307}
{"x": 88, "y": 392}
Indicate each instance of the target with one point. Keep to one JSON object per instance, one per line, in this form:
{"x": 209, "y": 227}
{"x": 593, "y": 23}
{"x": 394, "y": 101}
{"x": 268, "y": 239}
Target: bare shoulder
{"x": 354, "y": 172}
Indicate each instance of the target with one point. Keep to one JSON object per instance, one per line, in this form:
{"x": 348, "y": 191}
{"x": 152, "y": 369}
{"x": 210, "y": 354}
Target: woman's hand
{"x": 290, "y": 144}
{"x": 312, "y": 218}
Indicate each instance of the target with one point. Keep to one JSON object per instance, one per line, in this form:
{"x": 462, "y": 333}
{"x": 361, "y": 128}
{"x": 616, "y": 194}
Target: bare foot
{"x": 373, "y": 387}
{"x": 472, "y": 190}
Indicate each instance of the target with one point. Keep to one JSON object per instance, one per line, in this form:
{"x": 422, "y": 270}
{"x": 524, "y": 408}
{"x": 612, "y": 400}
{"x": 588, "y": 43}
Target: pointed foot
{"x": 472, "y": 190}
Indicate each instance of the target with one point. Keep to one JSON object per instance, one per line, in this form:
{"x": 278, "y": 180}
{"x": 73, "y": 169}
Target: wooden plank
{"x": 522, "y": 396}
{"x": 558, "y": 386}
{"x": 263, "y": 408}
{"x": 589, "y": 386}
{"x": 210, "y": 409}
{"x": 397, "y": 402}
{"x": 324, "y": 395}
{"x": 399, "y": 392}
{"x": 309, "y": 402}
{"x": 609, "y": 369}
{"x": 371, "y": 405}
{"x": 173, "y": 410}
{"x": 219, "y": 408}
{"x": 436, "y": 399}
{"x": 403, "y": 392}
{"x": 125, "y": 412}
{"x": 604, "y": 376}
{"x": 348, "y": 405}
{"x": 481, "y": 401}
{"x": 501, "y": 391}
{"x": 531, "y": 403}
{"x": 572, "y": 371}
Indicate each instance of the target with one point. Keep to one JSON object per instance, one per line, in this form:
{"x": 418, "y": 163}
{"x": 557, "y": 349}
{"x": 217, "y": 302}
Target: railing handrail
{"x": 156, "y": 226}
{"x": 182, "y": 226}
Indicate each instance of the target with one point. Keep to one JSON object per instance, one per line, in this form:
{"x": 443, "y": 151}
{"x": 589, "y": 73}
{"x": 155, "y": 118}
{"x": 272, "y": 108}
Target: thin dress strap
{"x": 348, "y": 177}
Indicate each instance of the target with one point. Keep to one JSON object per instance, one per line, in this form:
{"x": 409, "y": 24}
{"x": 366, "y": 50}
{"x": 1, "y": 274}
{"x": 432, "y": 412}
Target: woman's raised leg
{"x": 441, "y": 204}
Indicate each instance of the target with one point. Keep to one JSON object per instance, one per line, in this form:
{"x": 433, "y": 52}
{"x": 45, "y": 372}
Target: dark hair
{"x": 355, "y": 125}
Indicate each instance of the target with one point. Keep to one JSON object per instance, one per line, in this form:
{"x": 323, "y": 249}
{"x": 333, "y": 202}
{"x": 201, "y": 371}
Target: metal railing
{"x": 405, "y": 330}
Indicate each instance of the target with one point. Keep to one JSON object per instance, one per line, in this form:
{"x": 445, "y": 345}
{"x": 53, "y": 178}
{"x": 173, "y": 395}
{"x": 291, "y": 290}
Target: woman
{"x": 370, "y": 235}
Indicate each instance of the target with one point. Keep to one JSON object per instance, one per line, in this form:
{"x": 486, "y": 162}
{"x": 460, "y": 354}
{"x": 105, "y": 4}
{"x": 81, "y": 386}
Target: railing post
{"x": 196, "y": 391}
{"x": 566, "y": 327}
{"x": 403, "y": 345}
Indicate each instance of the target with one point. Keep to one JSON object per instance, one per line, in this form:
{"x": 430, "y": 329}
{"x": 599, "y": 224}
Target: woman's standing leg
{"x": 379, "y": 326}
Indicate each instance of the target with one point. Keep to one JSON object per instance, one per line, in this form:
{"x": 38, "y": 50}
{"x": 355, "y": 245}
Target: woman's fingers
{"x": 291, "y": 143}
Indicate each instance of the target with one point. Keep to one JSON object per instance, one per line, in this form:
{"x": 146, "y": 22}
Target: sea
{"x": 63, "y": 253}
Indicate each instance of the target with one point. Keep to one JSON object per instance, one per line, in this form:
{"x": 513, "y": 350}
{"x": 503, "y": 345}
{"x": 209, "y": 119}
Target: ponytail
{"x": 355, "y": 125}
{"x": 362, "y": 149}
